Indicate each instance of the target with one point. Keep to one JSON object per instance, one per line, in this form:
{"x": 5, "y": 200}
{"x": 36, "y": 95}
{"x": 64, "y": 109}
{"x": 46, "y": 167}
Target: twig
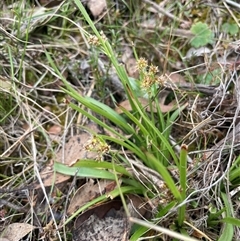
{"x": 230, "y": 2}
{"x": 163, "y": 11}
{"x": 14, "y": 206}
{"x": 174, "y": 32}
{"x": 205, "y": 89}
{"x": 229, "y": 10}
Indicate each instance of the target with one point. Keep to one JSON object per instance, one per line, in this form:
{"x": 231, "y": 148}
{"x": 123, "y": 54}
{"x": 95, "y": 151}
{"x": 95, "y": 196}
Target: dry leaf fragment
{"x": 49, "y": 178}
{"x": 55, "y": 130}
{"x": 75, "y": 150}
{"x": 96, "y": 6}
{"x": 5, "y": 84}
{"x": 176, "y": 78}
{"x": 71, "y": 152}
{"x": 192, "y": 52}
{"x": 145, "y": 103}
{"x": 131, "y": 67}
{"x": 84, "y": 194}
{"x": 17, "y": 231}
{"x": 130, "y": 63}
{"x": 88, "y": 192}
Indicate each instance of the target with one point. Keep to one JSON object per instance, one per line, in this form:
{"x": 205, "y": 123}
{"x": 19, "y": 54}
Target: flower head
{"x": 142, "y": 64}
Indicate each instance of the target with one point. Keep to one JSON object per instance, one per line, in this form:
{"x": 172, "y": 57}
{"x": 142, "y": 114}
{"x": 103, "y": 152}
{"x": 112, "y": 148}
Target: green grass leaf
{"x": 231, "y": 220}
{"x": 84, "y": 172}
{"x": 102, "y": 165}
{"x": 162, "y": 170}
{"x": 183, "y": 181}
{"x": 227, "y": 231}
{"x": 138, "y": 233}
{"x": 203, "y": 35}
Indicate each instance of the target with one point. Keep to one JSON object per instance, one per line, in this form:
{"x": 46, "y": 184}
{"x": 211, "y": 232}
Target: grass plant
{"x": 157, "y": 155}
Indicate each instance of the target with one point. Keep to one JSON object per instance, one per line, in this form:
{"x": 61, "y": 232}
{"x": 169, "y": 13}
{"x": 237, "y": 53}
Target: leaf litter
{"x": 214, "y": 100}
{"x": 16, "y": 231}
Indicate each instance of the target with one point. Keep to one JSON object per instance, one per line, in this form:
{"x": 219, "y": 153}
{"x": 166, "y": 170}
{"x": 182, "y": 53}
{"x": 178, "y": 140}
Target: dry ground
{"x": 201, "y": 72}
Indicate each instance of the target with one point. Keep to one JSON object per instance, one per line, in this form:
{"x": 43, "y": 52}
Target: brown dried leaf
{"x": 17, "y": 231}
{"x": 177, "y": 78}
{"x": 131, "y": 67}
{"x": 144, "y": 102}
{"x": 88, "y": 192}
{"x": 130, "y": 63}
{"x": 127, "y": 54}
{"x": 136, "y": 207}
{"x": 74, "y": 150}
{"x": 55, "y": 130}
{"x": 71, "y": 152}
{"x": 96, "y": 6}
{"x": 49, "y": 178}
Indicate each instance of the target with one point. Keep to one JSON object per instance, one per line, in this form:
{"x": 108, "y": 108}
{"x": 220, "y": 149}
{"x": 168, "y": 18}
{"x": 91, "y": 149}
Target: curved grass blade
{"x": 162, "y": 170}
{"x": 228, "y": 230}
{"x": 103, "y": 165}
{"x": 84, "y": 172}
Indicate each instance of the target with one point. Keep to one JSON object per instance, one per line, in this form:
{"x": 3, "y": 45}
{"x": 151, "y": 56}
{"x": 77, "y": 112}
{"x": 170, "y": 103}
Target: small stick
{"x": 163, "y": 11}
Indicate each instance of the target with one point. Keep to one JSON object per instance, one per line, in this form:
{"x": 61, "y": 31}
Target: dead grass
{"x": 36, "y": 120}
